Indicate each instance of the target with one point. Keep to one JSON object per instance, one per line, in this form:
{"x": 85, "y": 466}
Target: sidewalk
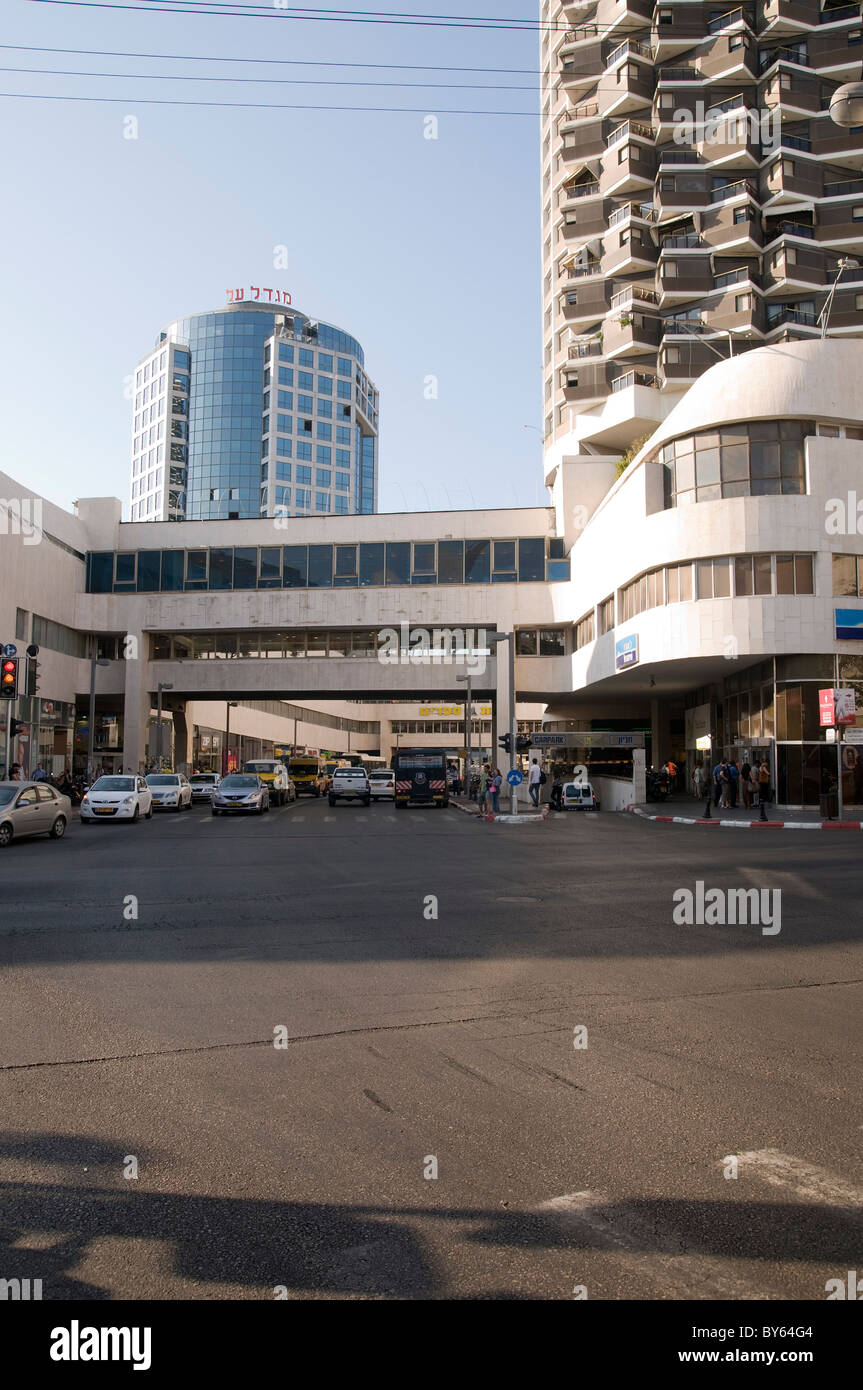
{"x": 685, "y": 810}
{"x": 527, "y": 814}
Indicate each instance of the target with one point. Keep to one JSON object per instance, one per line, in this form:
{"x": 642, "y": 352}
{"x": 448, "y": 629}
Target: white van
{"x": 579, "y": 796}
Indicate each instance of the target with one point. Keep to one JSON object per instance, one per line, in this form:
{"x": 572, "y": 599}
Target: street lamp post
{"x": 494, "y": 638}
{"x": 844, "y": 263}
{"x": 94, "y": 662}
{"x": 468, "y": 730}
{"x": 163, "y": 685}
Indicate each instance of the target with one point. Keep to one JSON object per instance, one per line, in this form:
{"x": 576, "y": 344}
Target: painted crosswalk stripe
{"x": 806, "y": 1180}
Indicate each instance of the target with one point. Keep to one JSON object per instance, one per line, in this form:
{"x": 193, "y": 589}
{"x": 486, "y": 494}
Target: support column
{"x": 183, "y": 739}
{"x": 136, "y": 703}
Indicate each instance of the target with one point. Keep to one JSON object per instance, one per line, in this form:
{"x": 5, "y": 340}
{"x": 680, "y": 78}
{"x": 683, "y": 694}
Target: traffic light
{"x": 32, "y": 679}
{"x": 9, "y": 678}
{"x": 505, "y": 742}
{"x": 18, "y": 727}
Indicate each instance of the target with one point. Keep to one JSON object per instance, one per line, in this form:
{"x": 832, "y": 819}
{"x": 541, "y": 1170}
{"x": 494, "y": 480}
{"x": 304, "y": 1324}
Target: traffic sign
{"x": 10, "y": 649}
{"x": 514, "y": 777}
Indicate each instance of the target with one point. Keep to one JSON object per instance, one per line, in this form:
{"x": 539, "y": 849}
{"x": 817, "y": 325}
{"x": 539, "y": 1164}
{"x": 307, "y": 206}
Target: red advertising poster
{"x": 826, "y": 707}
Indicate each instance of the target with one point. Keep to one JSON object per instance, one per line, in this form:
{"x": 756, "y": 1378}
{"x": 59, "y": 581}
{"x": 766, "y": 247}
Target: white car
{"x": 171, "y": 791}
{"x": 117, "y": 797}
{"x": 203, "y": 785}
{"x": 382, "y": 784}
{"x": 350, "y": 784}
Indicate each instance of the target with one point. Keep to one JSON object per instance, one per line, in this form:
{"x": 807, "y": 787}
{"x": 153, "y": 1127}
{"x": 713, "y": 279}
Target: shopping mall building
{"x": 692, "y": 606}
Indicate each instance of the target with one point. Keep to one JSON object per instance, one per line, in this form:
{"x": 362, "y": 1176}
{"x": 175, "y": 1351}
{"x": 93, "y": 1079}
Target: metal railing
{"x": 681, "y": 242}
{"x": 680, "y": 157}
{"x": 788, "y": 314}
{"x": 726, "y": 20}
{"x": 584, "y": 31}
{"x": 626, "y": 129}
{"x": 585, "y": 349}
{"x": 733, "y": 190}
{"x": 839, "y": 190}
{"x": 672, "y": 327}
{"x": 632, "y": 294}
{"x": 621, "y": 383}
{"x": 578, "y": 113}
{"x": 784, "y": 55}
{"x": 580, "y": 190}
{"x": 578, "y": 272}
{"x": 688, "y": 74}
{"x": 643, "y": 210}
{"x": 792, "y": 229}
{"x": 629, "y": 48}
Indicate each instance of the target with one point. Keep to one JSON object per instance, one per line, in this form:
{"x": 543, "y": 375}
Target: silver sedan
{"x": 240, "y": 791}
{"x": 32, "y": 808}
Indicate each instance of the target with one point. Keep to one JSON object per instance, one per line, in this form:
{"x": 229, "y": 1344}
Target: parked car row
{"x": 38, "y": 808}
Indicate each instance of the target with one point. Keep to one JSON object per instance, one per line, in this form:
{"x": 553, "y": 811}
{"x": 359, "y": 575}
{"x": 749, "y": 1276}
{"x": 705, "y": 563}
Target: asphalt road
{"x": 428, "y": 972}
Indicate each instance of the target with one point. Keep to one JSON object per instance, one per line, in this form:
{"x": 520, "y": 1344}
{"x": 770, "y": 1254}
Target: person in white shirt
{"x": 534, "y": 781}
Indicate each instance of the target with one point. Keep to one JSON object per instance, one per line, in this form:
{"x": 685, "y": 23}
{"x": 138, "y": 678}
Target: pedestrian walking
{"x": 483, "y": 788}
{"x": 724, "y": 782}
{"x": 698, "y": 781}
{"x": 40, "y": 775}
{"x": 534, "y": 782}
{"x": 764, "y": 783}
{"x": 733, "y": 775}
{"x": 556, "y": 801}
{"x": 494, "y": 788}
{"x": 746, "y": 783}
{"x": 717, "y": 784}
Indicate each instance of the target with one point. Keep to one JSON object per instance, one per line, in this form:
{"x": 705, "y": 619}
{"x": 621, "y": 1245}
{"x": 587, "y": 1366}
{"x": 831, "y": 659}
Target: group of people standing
{"x": 730, "y": 780}
{"x": 490, "y": 783}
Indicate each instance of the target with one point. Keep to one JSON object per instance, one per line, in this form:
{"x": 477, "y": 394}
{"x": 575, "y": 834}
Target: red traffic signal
{"x": 9, "y": 678}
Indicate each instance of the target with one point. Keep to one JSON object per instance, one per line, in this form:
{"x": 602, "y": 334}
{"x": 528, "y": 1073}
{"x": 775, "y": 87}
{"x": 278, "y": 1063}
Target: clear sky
{"x": 428, "y": 251}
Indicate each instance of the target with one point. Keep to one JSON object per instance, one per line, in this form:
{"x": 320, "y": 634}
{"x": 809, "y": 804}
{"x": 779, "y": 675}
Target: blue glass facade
{"x": 232, "y": 430}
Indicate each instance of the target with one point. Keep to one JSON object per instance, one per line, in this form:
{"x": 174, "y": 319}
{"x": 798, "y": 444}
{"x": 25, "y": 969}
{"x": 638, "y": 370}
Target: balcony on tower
{"x": 732, "y": 56}
{"x": 796, "y": 93}
{"x": 683, "y": 276}
{"x": 837, "y": 52}
{"x": 778, "y": 18}
{"x": 731, "y": 134}
{"x": 628, "y": 81}
{"x": 628, "y": 248}
{"x": 580, "y": 66}
{"x": 840, "y": 216}
{"x": 584, "y": 304}
{"x": 629, "y": 166}
{"x": 682, "y": 358}
{"x": 582, "y": 141}
{"x": 840, "y": 146}
{"x": 792, "y": 266}
{"x": 736, "y": 226}
{"x": 677, "y": 193}
{"x": 627, "y": 332}
{"x": 584, "y": 382}
{"x": 790, "y": 180}
{"x": 618, "y": 17}
{"x": 580, "y": 185}
{"x": 676, "y": 29}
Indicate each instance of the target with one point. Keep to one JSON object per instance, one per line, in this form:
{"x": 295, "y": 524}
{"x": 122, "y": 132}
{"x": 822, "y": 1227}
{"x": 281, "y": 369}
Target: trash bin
{"x": 829, "y": 805}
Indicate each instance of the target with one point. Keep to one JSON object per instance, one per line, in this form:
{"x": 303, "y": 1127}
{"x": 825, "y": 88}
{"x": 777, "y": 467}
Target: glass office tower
{"x": 253, "y": 410}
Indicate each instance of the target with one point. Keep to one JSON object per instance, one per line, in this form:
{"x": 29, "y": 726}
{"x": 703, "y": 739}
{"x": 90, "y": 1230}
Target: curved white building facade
{"x": 694, "y": 606}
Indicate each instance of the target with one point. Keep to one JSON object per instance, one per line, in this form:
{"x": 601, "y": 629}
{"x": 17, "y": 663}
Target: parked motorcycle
{"x": 658, "y": 785}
